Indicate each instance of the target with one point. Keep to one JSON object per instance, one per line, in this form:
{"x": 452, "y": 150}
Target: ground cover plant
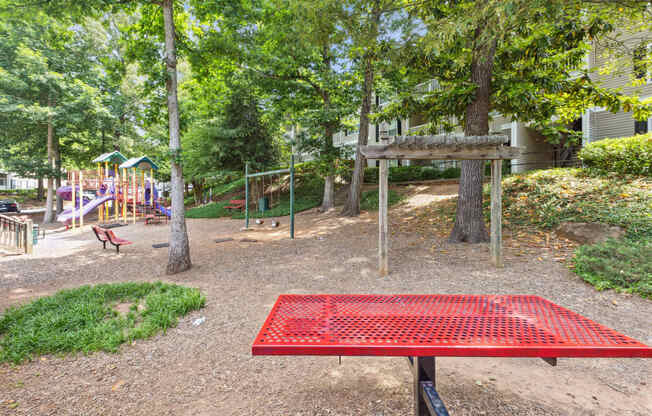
{"x": 617, "y": 264}
{"x": 547, "y": 198}
{"x": 536, "y": 202}
{"x": 86, "y": 319}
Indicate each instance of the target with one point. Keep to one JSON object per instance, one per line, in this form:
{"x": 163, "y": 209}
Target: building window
{"x": 398, "y": 127}
{"x": 3, "y": 180}
{"x": 640, "y": 127}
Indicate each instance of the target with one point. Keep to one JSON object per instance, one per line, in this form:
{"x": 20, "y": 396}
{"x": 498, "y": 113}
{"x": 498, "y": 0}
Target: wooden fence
{"x": 16, "y": 235}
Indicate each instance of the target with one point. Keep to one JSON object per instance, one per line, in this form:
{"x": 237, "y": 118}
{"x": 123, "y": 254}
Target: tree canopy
{"x": 211, "y": 85}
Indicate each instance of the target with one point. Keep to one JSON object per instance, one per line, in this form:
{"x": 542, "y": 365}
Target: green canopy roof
{"x": 143, "y": 163}
{"x": 111, "y": 157}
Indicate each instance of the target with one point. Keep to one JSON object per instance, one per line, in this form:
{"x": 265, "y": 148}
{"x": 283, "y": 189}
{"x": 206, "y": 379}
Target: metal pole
{"x": 74, "y": 197}
{"x": 151, "y": 188}
{"x": 247, "y": 195}
{"x": 81, "y": 200}
{"x": 291, "y": 196}
{"x": 100, "y": 209}
{"x": 134, "y": 195}
{"x": 124, "y": 188}
{"x": 116, "y": 180}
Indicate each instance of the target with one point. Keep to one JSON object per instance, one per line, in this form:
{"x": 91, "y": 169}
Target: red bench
{"x": 156, "y": 218}
{"x": 238, "y": 204}
{"x": 104, "y": 236}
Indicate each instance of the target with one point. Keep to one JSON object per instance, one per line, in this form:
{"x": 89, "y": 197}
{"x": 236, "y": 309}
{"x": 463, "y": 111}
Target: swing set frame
{"x": 248, "y": 175}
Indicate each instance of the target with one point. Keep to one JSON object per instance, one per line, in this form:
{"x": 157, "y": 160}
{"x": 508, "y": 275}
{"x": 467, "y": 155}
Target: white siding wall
{"x": 603, "y": 123}
{"x": 606, "y": 124}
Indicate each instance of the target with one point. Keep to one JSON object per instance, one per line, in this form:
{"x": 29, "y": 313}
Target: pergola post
{"x": 496, "y": 213}
{"x": 383, "y": 237}
{"x": 442, "y": 147}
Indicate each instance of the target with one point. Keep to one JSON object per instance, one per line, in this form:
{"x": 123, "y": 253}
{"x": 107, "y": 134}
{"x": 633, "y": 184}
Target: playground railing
{"x": 16, "y": 234}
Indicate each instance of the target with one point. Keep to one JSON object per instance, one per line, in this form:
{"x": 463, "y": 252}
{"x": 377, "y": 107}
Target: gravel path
{"x": 209, "y": 370}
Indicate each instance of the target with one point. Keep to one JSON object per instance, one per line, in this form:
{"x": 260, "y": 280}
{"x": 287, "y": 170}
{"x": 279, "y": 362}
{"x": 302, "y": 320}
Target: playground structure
{"x": 120, "y": 189}
{"x": 259, "y": 192}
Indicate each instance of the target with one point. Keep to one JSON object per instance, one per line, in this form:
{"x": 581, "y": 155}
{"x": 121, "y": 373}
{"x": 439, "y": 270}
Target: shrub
{"x": 411, "y": 173}
{"x": 617, "y": 264}
{"x": 369, "y": 199}
{"x": 630, "y": 155}
{"x": 371, "y": 175}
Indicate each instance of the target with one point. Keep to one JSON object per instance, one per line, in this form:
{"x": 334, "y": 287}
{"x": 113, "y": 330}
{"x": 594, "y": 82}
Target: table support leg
{"x": 424, "y": 370}
{"x": 426, "y": 399}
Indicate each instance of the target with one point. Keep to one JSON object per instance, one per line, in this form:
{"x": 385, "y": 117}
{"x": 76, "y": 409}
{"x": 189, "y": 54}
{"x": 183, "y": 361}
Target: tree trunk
{"x": 352, "y": 206}
{"x": 328, "y": 201}
{"x": 198, "y": 191}
{"x": 57, "y": 162}
{"x": 179, "y": 253}
{"x": 48, "y": 218}
{"x": 39, "y": 189}
{"x": 469, "y": 220}
{"x": 329, "y": 193}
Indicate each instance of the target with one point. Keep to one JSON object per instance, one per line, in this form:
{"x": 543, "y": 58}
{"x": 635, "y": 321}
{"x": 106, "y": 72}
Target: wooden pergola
{"x": 442, "y": 147}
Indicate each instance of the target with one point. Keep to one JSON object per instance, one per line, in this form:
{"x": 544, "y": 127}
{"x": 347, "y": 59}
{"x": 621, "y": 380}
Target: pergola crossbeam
{"x": 442, "y": 147}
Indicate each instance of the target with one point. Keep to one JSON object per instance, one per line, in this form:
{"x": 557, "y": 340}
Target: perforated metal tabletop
{"x": 436, "y": 325}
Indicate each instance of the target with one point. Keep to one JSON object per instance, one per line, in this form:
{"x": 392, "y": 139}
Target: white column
{"x": 514, "y": 142}
{"x": 586, "y": 126}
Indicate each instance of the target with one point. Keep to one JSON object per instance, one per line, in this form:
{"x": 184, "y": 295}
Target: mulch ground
{"x": 208, "y": 369}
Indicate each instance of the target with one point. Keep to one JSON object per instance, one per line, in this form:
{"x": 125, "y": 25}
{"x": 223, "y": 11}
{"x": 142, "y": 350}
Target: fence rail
{"x": 16, "y": 235}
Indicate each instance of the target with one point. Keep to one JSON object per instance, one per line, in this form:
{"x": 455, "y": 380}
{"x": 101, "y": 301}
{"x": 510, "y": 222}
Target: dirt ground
{"x": 208, "y": 369}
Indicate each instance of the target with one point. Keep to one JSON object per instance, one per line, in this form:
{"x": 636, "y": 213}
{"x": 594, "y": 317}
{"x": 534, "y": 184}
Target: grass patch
{"x": 623, "y": 265}
{"x": 281, "y": 209}
{"x": 84, "y": 319}
{"x": 369, "y": 199}
{"x": 220, "y": 190}
{"x": 214, "y": 210}
{"x": 307, "y": 195}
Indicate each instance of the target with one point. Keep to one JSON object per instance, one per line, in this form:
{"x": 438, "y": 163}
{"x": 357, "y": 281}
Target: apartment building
{"x": 633, "y": 76}
{"x": 10, "y": 181}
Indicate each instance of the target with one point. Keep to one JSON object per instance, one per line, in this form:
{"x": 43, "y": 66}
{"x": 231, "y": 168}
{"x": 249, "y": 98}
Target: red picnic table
{"x": 422, "y": 327}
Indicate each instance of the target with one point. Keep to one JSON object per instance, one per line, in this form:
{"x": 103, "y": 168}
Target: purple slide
{"x": 66, "y": 216}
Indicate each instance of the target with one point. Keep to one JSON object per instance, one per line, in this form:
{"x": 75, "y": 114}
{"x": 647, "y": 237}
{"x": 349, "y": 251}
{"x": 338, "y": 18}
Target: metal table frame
{"x": 420, "y": 327}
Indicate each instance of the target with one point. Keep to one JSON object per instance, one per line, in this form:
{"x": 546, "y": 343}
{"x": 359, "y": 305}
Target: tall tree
{"x": 302, "y": 67}
{"x": 363, "y": 24}
{"x": 48, "y": 84}
{"x": 149, "y": 35}
{"x": 514, "y": 57}
{"x": 179, "y": 253}
{"x": 376, "y": 30}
